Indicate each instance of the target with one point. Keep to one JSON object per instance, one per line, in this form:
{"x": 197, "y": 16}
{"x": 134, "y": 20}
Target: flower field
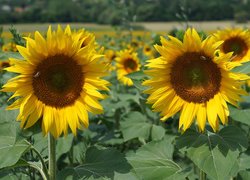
{"x": 121, "y": 104}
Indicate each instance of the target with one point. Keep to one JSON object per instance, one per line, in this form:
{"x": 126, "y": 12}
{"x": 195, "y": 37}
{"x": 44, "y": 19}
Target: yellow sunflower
{"x": 189, "y": 77}
{"x": 236, "y": 41}
{"x": 126, "y": 62}
{"x": 110, "y": 55}
{"x": 148, "y": 51}
{"x": 58, "y": 82}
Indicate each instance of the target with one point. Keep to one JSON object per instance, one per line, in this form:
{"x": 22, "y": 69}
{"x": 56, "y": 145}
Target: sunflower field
{"x": 125, "y": 106}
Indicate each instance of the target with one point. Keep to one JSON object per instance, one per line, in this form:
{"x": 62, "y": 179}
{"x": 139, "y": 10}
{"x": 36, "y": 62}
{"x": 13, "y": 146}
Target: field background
{"x": 206, "y": 26}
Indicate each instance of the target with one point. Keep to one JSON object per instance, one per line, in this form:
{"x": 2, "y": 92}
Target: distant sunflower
{"x": 58, "y": 82}
{"x": 148, "y": 51}
{"x": 236, "y": 41}
{"x": 87, "y": 38}
{"x": 127, "y": 62}
{"x": 110, "y": 55}
{"x": 188, "y": 77}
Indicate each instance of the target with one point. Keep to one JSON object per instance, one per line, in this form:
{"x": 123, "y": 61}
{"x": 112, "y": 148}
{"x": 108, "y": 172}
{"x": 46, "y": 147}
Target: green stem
{"x": 52, "y": 157}
{"x": 45, "y": 170}
{"x": 202, "y": 175}
{"x": 40, "y": 170}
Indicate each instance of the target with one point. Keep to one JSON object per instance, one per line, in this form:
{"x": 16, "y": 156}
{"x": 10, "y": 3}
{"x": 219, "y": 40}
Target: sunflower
{"x": 190, "y": 77}
{"x": 58, "y": 82}
{"x": 236, "y": 41}
{"x": 148, "y": 51}
{"x": 110, "y": 55}
{"x": 127, "y": 62}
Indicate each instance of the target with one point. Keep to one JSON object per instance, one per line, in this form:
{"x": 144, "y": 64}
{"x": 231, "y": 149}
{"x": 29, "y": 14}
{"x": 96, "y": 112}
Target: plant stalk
{"x": 45, "y": 170}
{"x": 52, "y": 157}
{"x": 203, "y": 175}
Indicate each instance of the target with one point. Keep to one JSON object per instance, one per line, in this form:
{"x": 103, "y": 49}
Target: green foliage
{"x": 211, "y": 151}
{"x": 122, "y": 12}
{"x": 153, "y": 161}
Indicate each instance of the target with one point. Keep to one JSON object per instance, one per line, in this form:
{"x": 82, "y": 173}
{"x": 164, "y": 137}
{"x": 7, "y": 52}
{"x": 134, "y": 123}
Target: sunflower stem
{"x": 202, "y": 175}
{"x": 52, "y": 157}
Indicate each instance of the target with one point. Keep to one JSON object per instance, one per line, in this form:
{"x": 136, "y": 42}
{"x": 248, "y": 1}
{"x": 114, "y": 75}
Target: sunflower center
{"x": 130, "y": 65}
{"x": 195, "y": 77}
{"x": 57, "y": 81}
{"x": 235, "y": 45}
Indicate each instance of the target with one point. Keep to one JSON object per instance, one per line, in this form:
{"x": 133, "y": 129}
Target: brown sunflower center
{"x": 195, "y": 77}
{"x": 130, "y": 65}
{"x": 57, "y": 81}
{"x": 235, "y": 45}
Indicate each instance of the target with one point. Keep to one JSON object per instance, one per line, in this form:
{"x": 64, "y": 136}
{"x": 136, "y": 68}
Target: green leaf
{"x": 63, "y": 145}
{"x": 240, "y": 115}
{"x": 135, "y": 125}
{"x": 11, "y": 145}
{"x": 102, "y": 163}
{"x": 244, "y": 175}
{"x": 138, "y": 75}
{"x": 127, "y": 176}
{"x": 67, "y": 174}
{"x": 10, "y": 149}
{"x": 157, "y": 132}
{"x": 244, "y": 68}
{"x": 245, "y": 160}
{"x": 7, "y": 116}
{"x": 7, "y": 55}
{"x": 152, "y": 161}
{"x": 215, "y": 153}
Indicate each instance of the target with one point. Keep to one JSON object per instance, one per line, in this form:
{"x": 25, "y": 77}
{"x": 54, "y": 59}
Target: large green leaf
{"x": 152, "y": 161}
{"x": 10, "y": 149}
{"x": 135, "y": 125}
{"x": 241, "y": 115}
{"x": 102, "y": 163}
{"x": 215, "y": 153}
{"x": 7, "y": 116}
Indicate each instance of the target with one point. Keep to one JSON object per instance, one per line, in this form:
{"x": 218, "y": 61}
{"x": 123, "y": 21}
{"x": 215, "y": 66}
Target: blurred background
{"x": 123, "y": 12}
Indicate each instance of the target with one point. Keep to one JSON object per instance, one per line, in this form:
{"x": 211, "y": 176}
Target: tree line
{"x": 121, "y": 11}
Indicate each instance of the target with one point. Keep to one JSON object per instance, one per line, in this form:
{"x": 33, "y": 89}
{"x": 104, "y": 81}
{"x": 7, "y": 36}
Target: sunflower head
{"x": 127, "y": 62}
{"x": 58, "y": 81}
{"x": 189, "y": 77}
{"x": 148, "y": 51}
{"x": 236, "y": 41}
{"x": 110, "y": 55}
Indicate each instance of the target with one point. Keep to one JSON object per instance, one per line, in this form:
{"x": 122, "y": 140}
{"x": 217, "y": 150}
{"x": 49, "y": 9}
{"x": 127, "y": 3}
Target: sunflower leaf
{"x": 152, "y": 161}
{"x": 240, "y": 115}
{"x": 244, "y": 68}
{"x": 211, "y": 151}
{"x": 7, "y": 55}
{"x": 12, "y": 146}
{"x": 135, "y": 125}
{"x": 102, "y": 163}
